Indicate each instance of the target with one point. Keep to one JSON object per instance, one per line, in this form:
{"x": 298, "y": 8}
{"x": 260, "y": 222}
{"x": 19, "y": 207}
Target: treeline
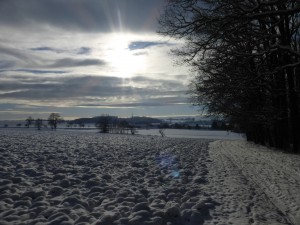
{"x": 112, "y": 124}
{"x": 53, "y": 120}
{"x": 137, "y": 120}
{"x": 197, "y": 125}
{"x": 247, "y": 58}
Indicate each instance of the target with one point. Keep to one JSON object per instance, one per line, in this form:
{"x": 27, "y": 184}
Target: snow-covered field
{"x": 82, "y": 178}
{"x": 184, "y": 133}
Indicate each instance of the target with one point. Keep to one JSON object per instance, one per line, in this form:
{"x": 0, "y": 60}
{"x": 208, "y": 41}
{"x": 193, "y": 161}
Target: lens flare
{"x": 167, "y": 161}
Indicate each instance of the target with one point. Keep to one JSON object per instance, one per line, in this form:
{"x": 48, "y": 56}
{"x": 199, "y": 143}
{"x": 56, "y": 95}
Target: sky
{"x": 88, "y": 58}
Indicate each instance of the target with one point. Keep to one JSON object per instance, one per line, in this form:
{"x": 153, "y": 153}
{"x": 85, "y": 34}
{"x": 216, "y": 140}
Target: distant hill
{"x": 84, "y": 120}
{"x": 132, "y": 120}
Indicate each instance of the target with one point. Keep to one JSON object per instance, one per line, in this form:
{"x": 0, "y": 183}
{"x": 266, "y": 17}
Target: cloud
{"x": 164, "y": 84}
{"x": 34, "y": 71}
{"x": 13, "y": 54}
{"x": 88, "y": 15}
{"x": 45, "y": 49}
{"x": 140, "y": 53}
{"x": 80, "y": 51}
{"x": 89, "y": 90}
{"x": 69, "y": 62}
{"x": 135, "y": 45}
{"x": 33, "y": 88}
{"x": 6, "y": 64}
{"x": 155, "y": 102}
{"x": 84, "y": 51}
{"x": 12, "y": 58}
{"x": 19, "y": 60}
{"x": 65, "y": 53}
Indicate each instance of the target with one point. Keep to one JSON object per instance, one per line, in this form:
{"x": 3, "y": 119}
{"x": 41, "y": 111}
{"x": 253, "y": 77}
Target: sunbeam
{"x": 124, "y": 63}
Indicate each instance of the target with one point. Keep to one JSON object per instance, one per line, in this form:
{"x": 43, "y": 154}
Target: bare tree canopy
{"x": 247, "y": 58}
{"x": 53, "y": 120}
{"x": 104, "y": 122}
{"x": 39, "y": 123}
{"x": 29, "y": 121}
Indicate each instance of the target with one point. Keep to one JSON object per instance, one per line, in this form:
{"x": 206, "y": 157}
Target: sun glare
{"x": 123, "y": 61}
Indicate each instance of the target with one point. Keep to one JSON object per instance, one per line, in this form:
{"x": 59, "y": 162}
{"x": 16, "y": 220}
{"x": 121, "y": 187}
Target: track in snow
{"x": 262, "y": 175}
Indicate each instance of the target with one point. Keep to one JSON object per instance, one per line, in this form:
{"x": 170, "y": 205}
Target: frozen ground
{"x": 89, "y": 178}
{"x": 184, "y": 133}
{"x": 180, "y": 133}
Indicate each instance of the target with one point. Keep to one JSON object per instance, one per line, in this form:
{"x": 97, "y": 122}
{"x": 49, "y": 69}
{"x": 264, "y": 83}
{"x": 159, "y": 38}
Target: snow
{"x": 264, "y": 174}
{"x": 183, "y": 133}
{"x": 64, "y": 177}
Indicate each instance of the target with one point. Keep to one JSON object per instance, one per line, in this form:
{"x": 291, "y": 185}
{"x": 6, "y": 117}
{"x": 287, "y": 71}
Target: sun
{"x": 123, "y": 61}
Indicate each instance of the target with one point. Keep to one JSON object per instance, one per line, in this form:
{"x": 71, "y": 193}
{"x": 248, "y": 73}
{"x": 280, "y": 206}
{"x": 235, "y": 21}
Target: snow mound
{"x": 88, "y": 178}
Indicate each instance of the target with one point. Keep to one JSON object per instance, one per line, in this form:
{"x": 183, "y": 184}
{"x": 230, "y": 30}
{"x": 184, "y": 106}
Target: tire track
{"x": 263, "y": 167}
{"x": 236, "y": 191}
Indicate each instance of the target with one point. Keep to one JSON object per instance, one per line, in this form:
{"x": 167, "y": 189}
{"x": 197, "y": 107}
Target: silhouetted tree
{"x": 39, "y": 123}
{"x": 247, "y": 58}
{"x": 29, "y": 121}
{"x": 53, "y": 120}
{"x": 103, "y": 123}
{"x": 122, "y": 126}
{"x": 164, "y": 125}
{"x": 162, "y": 132}
{"x": 133, "y": 130}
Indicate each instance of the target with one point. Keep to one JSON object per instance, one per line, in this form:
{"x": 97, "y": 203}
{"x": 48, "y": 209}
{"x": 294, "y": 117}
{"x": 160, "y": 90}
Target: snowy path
{"x": 258, "y": 173}
{"x": 88, "y": 178}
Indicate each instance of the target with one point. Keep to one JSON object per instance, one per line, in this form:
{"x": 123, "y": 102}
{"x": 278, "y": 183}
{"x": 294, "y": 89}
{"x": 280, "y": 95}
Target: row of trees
{"x": 105, "y": 123}
{"x": 111, "y": 124}
{"x": 53, "y": 120}
{"x": 247, "y": 57}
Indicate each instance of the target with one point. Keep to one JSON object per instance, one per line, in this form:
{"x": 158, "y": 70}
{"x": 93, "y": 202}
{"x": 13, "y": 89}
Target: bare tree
{"x": 162, "y": 132}
{"x": 29, "y": 121}
{"x": 39, "y": 123}
{"x": 122, "y": 126}
{"x": 247, "y": 57}
{"x": 53, "y": 120}
{"x": 103, "y": 123}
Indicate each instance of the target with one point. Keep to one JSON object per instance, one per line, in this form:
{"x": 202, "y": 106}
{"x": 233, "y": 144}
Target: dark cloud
{"x": 47, "y": 49}
{"x": 80, "y": 51}
{"x": 135, "y": 45}
{"x": 90, "y": 90}
{"x": 37, "y": 88}
{"x": 89, "y": 15}
{"x": 37, "y": 71}
{"x": 69, "y": 62}
{"x": 84, "y": 51}
{"x": 13, "y": 57}
{"x": 43, "y": 49}
{"x": 4, "y": 64}
{"x": 13, "y": 53}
